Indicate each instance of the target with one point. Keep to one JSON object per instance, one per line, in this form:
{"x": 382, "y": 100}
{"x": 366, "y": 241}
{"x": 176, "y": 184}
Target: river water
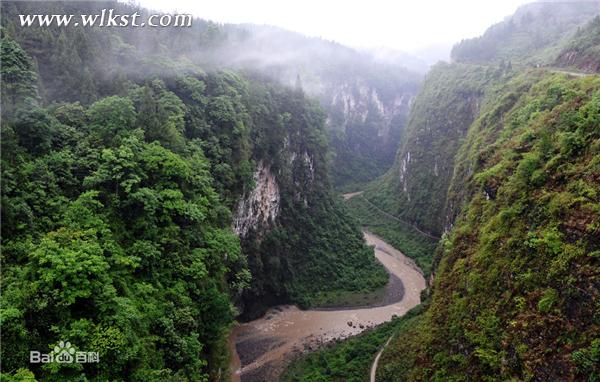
{"x": 262, "y": 348}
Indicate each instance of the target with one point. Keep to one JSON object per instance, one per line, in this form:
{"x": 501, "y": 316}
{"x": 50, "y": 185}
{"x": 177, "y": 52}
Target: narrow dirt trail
{"x": 376, "y": 361}
{"x": 375, "y": 207}
{"x": 264, "y": 346}
{"x": 351, "y": 195}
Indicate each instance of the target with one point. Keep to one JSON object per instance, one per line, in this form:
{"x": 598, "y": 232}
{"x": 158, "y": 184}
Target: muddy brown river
{"x": 262, "y": 348}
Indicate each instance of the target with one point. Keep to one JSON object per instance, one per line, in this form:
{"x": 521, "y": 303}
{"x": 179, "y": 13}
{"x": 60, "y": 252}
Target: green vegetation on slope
{"x": 351, "y": 86}
{"x": 368, "y": 110}
{"x": 116, "y": 208}
{"x": 415, "y": 188}
{"x": 111, "y": 239}
{"x": 582, "y": 50}
{"x": 349, "y": 360}
{"x": 528, "y": 35}
{"x": 516, "y": 285}
{"x": 366, "y": 99}
{"x": 515, "y": 291}
{"x": 312, "y": 256}
{"x": 400, "y": 235}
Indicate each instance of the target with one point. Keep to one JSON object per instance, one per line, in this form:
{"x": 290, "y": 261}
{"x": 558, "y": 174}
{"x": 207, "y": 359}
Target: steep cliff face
{"x": 513, "y": 294}
{"x": 367, "y": 111}
{"x": 357, "y": 102}
{"x": 419, "y": 187}
{"x": 366, "y": 99}
{"x": 264, "y": 145}
{"x": 505, "y": 159}
{"x": 365, "y": 125}
{"x": 415, "y": 187}
{"x": 258, "y": 209}
{"x": 300, "y": 244}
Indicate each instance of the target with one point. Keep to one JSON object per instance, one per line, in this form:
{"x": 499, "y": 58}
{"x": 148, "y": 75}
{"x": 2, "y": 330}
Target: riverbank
{"x": 266, "y": 345}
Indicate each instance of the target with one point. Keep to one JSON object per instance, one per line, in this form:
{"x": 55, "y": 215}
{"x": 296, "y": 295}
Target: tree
{"x": 111, "y": 117}
{"x": 18, "y": 76}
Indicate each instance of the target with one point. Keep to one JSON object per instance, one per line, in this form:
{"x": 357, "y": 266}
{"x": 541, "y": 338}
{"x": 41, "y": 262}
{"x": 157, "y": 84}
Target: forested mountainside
{"x": 509, "y": 157}
{"x": 528, "y": 36}
{"x": 366, "y": 99}
{"x": 416, "y": 187}
{"x": 142, "y": 194}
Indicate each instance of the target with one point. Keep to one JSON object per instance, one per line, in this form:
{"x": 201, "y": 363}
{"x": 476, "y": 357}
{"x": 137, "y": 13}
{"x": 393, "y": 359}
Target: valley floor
{"x": 263, "y": 347}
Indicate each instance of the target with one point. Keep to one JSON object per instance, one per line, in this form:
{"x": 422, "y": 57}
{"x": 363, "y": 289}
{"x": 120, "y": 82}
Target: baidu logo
{"x": 64, "y": 352}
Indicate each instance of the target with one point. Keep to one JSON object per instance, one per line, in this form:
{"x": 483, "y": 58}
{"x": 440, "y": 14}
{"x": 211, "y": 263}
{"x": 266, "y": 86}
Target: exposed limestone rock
{"x": 403, "y": 171}
{"x": 356, "y": 100}
{"x": 258, "y": 209}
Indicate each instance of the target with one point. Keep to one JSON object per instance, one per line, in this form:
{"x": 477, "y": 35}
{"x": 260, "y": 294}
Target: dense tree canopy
{"x": 117, "y": 199}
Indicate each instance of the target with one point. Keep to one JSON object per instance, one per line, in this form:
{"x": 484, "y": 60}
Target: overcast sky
{"x": 404, "y": 25}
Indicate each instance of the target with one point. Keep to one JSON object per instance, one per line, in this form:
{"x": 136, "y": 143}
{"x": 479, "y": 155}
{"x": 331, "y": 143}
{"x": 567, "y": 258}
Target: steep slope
{"x": 515, "y": 281}
{"x": 533, "y": 28}
{"x": 366, "y": 118}
{"x": 248, "y": 133}
{"x": 366, "y": 99}
{"x": 113, "y": 236}
{"x": 580, "y": 51}
{"x": 123, "y": 191}
{"x": 415, "y": 188}
{"x": 515, "y": 289}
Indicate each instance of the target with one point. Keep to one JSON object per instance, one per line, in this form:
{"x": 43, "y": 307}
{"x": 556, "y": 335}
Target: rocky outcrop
{"x": 586, "y": 61}
{"x": 403, "y": 168}
{"x": 258, "y": 209}
{"x": 424, "y": 166}
{"x": 365, "y": 122}
{"x": 356, "y": 102}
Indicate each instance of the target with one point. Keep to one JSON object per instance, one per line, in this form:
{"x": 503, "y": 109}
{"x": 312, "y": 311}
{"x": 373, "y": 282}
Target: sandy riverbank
{"x": 266, "y": 345}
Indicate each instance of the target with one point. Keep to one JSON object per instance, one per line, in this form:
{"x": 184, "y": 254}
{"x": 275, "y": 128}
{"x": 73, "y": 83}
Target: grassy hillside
{"x": 416, "y": 188}
{"x": 515, "y": 289}
{"x": 506, "y": 159}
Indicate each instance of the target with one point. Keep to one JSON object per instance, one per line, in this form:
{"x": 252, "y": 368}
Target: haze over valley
{"x": 321, "y": 191}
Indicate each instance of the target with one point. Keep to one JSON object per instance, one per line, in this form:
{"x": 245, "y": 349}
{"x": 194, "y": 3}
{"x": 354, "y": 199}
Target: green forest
{"x": 501, "y": 158}
{"x": 118, "y": 197}
{"x": 160, "y": 186}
